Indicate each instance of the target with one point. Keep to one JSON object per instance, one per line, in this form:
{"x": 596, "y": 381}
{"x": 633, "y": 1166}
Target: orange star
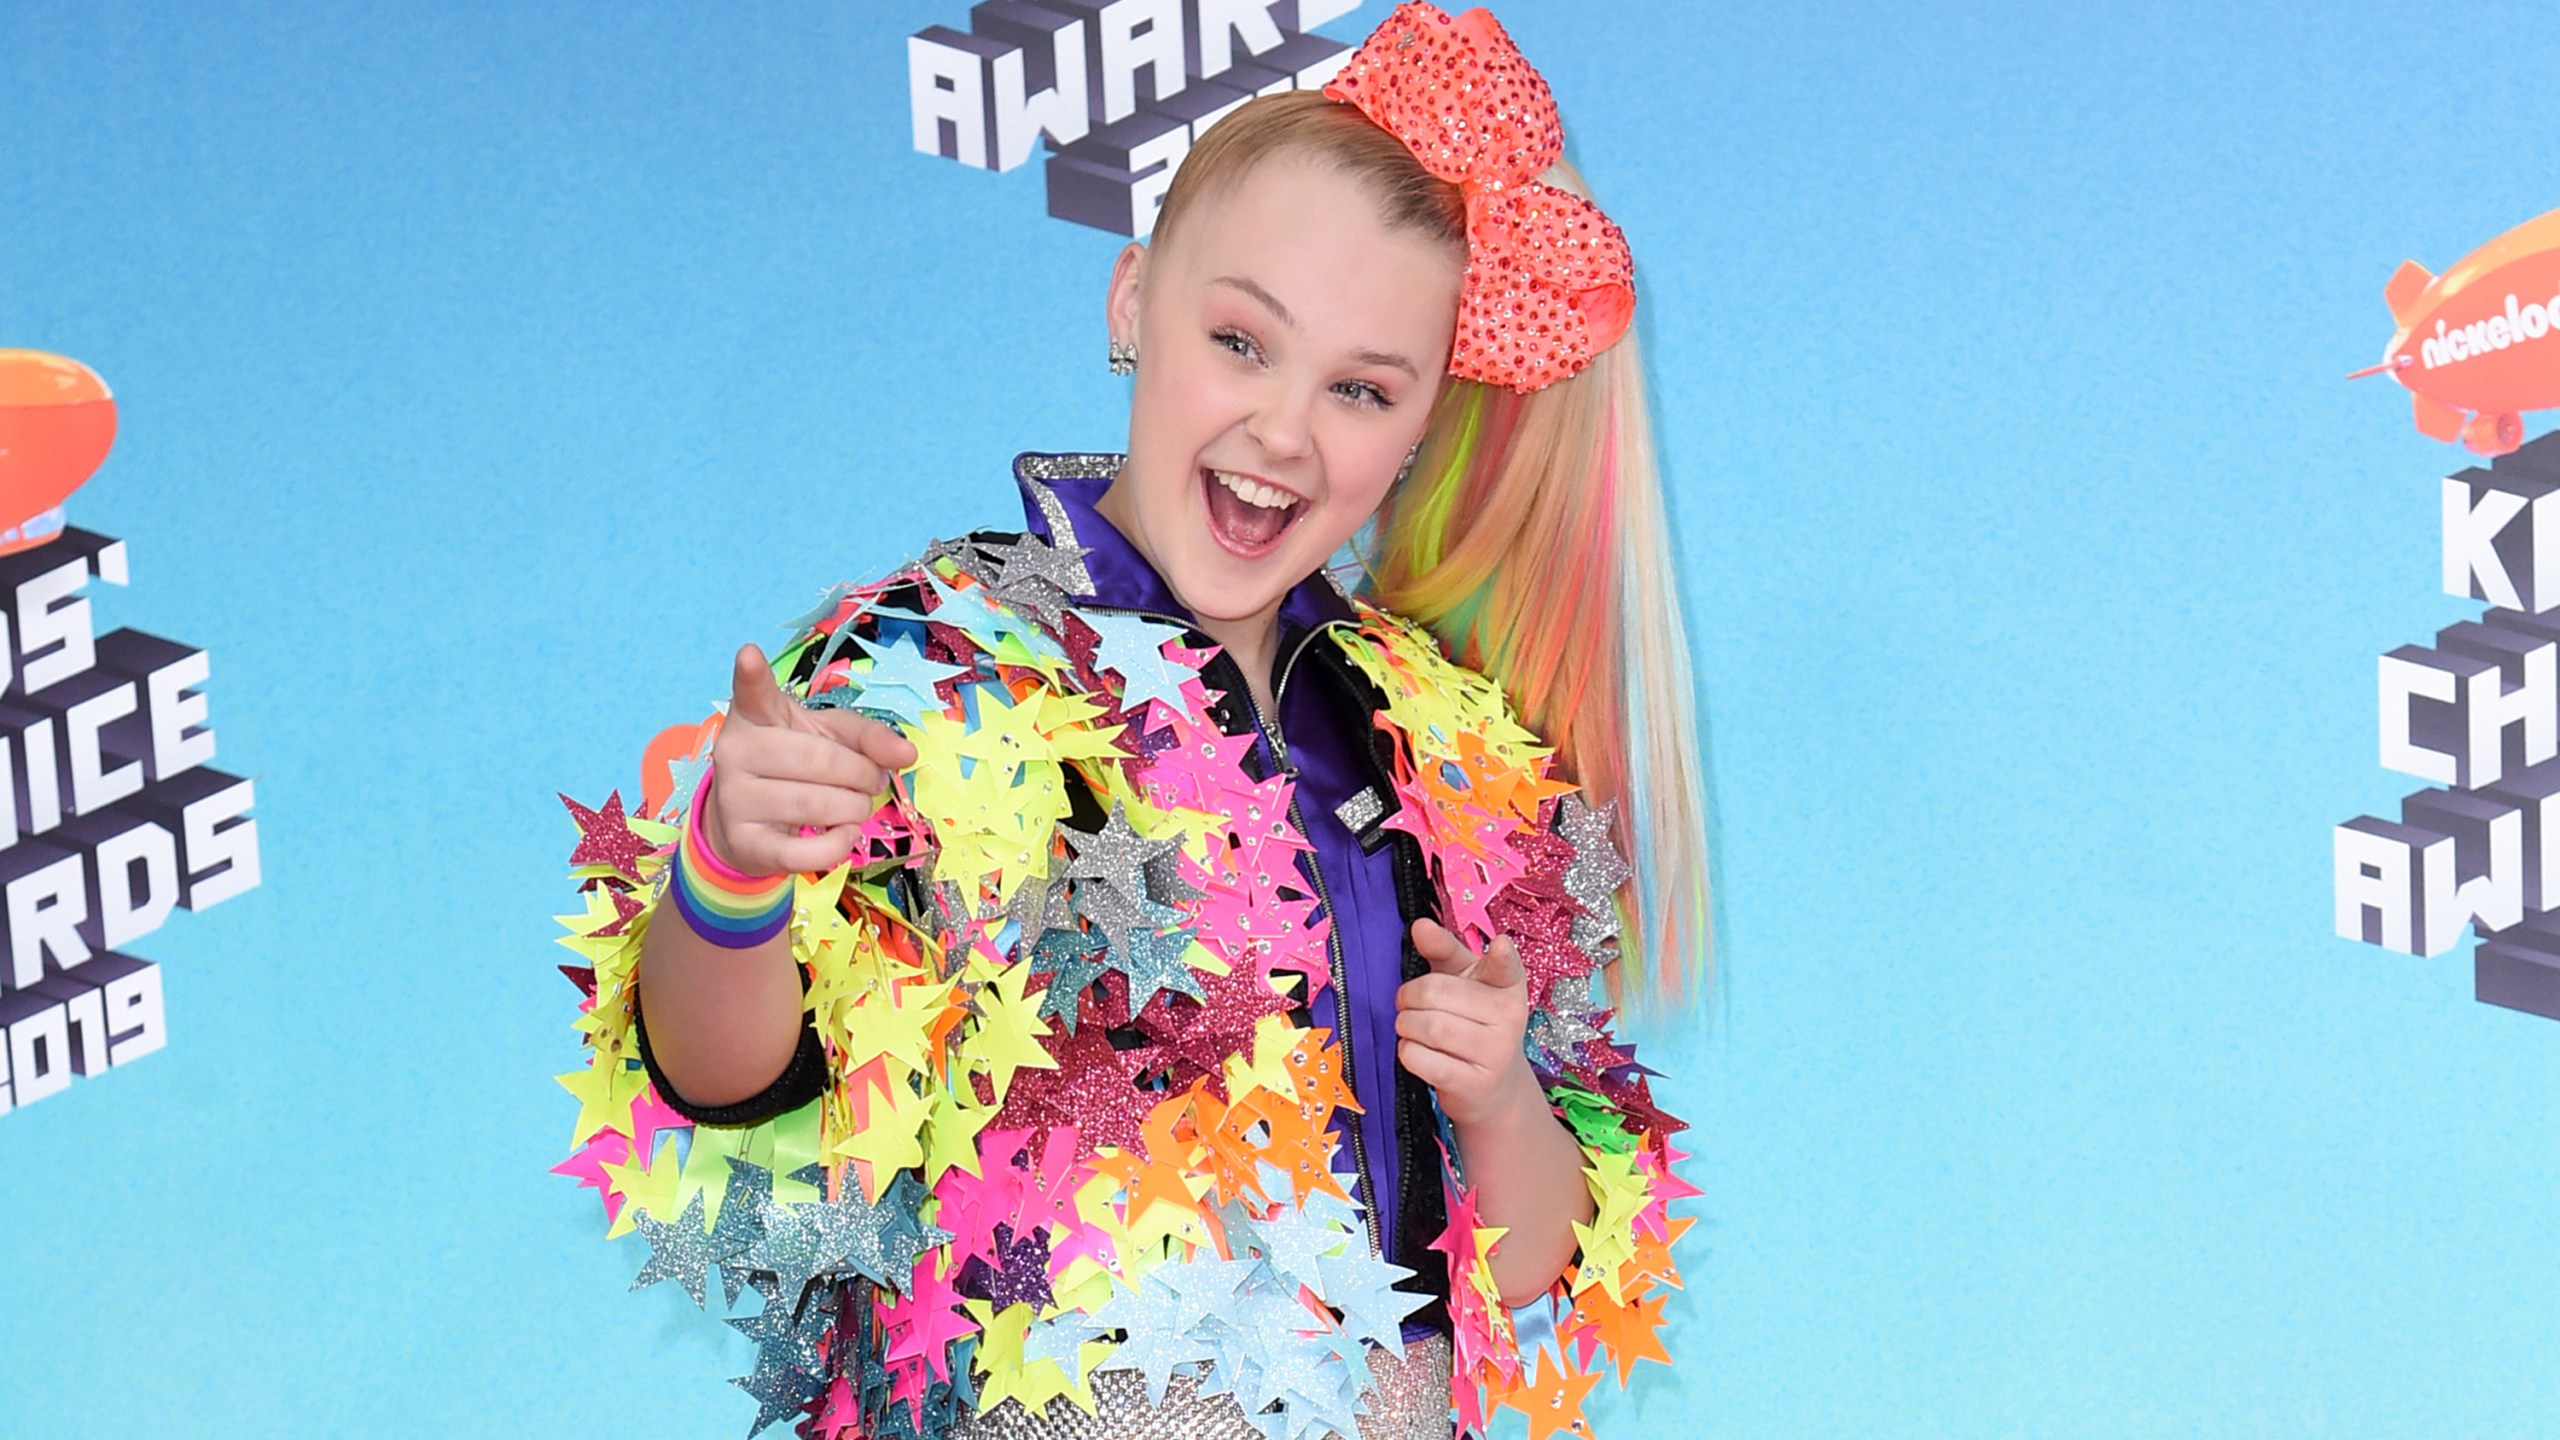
{"x": 1629, "y": 1330}
{"x": 1232, "y": 1152}
{"x": 1315, "y": 1073}
{"x": 1653, "y": 1257}
{"x": 1501, "y": 785}
{"x": 1301, "y": 1147}
{"x": 1168, "y": 1162}
{"x": 1552, "y": 1401}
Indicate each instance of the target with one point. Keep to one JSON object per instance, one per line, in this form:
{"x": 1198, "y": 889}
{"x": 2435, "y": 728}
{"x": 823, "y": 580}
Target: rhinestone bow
{"x": 1549, "y": 282}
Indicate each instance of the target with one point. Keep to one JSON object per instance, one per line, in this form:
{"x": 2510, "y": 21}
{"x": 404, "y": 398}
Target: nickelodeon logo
{"x": 1119, "y": 89}
{"x": 2513, "y": 327}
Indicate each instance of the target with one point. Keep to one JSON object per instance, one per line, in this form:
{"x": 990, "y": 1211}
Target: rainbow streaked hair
{"x": 1530, "y": 538}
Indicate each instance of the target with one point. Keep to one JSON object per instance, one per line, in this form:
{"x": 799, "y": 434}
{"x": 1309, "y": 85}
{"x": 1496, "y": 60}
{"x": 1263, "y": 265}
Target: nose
{"x": 1283, "y": 424}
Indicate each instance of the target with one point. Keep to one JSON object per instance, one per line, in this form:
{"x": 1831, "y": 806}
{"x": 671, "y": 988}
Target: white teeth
{"x": 1260, "y": 496}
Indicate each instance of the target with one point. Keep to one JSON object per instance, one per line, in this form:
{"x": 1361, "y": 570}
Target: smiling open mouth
{"x": 1247, "y": 516}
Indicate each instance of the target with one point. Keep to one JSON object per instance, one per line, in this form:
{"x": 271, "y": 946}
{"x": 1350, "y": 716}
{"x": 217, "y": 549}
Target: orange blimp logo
{"x": 2480, "y": 344}
{"x": 57, "y": 423}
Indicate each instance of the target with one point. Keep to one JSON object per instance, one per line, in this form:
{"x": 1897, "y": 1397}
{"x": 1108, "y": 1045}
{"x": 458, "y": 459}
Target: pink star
{"x": 972, "y": 1206}
{"x": 842, "y": 1413}
{"x": 609, "y": 1147}
{"x": 1046, "y": 1193}
{"x": 923, "y": 1322}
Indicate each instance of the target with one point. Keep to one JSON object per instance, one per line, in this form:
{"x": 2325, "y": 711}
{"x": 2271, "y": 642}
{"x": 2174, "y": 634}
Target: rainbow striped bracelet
{"x": 724, "y": 906}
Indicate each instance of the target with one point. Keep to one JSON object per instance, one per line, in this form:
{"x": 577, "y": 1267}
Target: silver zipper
{"x": 1342, "y": 1012}
{"x": 1342, "y": 1015}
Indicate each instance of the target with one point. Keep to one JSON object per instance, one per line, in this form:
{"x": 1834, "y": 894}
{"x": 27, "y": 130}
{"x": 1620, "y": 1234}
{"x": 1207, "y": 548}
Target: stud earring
{"x": 1124, "y": 357}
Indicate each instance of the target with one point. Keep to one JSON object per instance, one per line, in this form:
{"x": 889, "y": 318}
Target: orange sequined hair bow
{"x": 1549, "y": 282}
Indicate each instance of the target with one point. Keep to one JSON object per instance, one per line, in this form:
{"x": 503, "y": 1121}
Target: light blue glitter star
{"x": 825, "y": 609}
{"x": 1157, "y": 1345}
{"x": 1361, "y": 1286}
{"x": 976, "y": 614}
{"x": 1293, "y": 1244}
{"x": 1061, "y": 1338}
{"x": 683, "y": 778}
{"x": 899, "y": 681}
{"x": 1134, "y": 646}
{"x": 1203, "y": 1285}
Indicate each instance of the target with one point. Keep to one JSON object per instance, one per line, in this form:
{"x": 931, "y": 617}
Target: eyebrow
{"x": 1269, "y": 301}
{"x": 1392, "y": 361}
{"x": 1279, "y": 311}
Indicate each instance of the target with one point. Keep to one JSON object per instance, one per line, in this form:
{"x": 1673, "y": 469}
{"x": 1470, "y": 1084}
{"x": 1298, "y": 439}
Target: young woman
{"x": 1118, "y": 982}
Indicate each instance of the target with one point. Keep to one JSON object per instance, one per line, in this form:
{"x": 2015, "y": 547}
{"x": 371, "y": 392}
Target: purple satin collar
{"x": 1122, "y": 578}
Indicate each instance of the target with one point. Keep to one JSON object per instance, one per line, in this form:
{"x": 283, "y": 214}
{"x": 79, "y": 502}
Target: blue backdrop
{"x": 487, "y": 374}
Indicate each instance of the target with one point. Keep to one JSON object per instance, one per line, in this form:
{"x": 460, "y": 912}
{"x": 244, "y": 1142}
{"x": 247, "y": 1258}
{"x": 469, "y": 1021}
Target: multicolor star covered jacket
{"x": 1070, "y": 1097}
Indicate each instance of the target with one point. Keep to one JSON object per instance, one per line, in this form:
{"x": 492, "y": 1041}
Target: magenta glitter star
{"x": 1537, "y": 913}
{"x": 1193, "y": 1038}
{"x": 1633, "y": 1099}
{"x": 952, "y": 646}
{"x": 625, "y": 910}
{"x": 605, "y": 837}
{"x": 1094, "y": 1089}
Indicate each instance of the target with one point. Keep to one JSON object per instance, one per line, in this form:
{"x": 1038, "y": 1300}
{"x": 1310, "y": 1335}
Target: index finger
{"x": 1501, "y": 967}
{"x": 753, "y": 695}
{"x": 874, "y": 738}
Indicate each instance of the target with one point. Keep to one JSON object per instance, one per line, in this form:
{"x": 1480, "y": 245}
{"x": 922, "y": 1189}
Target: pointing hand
{"x": 1459, "y": 1028}
{"x": 790, "y": 785}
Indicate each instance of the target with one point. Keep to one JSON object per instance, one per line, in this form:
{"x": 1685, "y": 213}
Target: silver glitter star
{"x": 1031, "y": 574}
{"x": 960, "y": 550}
{"x": 1595, "y": 874}
{"x": 1561, "y": 1035}
{"x": 681, "y": 1251}
{"x": 1039, "y": 905}
{"x": 1117, "y": 856}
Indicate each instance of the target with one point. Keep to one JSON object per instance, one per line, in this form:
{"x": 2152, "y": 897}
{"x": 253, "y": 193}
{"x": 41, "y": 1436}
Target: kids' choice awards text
{"x": 111, "y": 816}
{"x": 1119, "y": 89}
{"x": 2477, "y": 715}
